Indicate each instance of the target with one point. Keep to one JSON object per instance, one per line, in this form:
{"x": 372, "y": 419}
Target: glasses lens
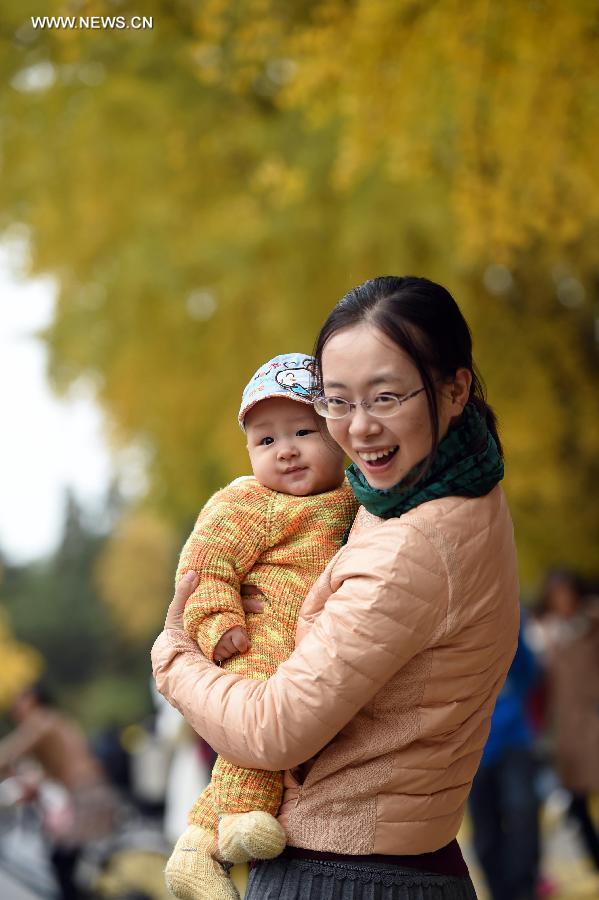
{"x": 320, "y": 406}
{"x": 331, "y": 407}
{"x": 384, "y": 405}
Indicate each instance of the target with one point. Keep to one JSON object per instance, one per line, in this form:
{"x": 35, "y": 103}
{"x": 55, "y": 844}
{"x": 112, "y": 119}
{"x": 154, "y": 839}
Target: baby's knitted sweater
{"x": 249, "y": 534}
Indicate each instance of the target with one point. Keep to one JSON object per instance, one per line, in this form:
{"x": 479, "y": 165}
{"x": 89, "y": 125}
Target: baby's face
{"x": 287, "y": 451}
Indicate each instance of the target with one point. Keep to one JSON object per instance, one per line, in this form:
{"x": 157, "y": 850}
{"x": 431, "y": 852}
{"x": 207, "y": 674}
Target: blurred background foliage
{"x": 203, "y": 192}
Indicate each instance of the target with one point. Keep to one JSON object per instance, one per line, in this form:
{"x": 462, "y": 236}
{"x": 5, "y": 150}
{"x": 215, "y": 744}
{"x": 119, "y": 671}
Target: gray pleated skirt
{"x": 301, "y": 879}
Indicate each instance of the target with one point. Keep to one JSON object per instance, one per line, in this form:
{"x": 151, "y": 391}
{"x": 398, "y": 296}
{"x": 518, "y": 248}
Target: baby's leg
{"x": 237, "y": 790}
{"x": 194, "y": 870}
{"x": 247, "y": 801}
{"x": 203, "y": 812}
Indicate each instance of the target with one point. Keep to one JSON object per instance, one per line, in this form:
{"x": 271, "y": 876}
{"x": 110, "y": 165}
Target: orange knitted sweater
{"x": 247, "y": 533}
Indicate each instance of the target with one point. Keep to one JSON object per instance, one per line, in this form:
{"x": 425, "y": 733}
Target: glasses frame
{"x": 366, "y": 404}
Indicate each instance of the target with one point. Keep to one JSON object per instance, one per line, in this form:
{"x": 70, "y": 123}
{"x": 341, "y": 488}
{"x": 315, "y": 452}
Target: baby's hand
{"x": 233, "y": 641}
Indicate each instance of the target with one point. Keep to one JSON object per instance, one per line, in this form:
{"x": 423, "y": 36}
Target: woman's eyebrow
{"x": 385, "y": 378}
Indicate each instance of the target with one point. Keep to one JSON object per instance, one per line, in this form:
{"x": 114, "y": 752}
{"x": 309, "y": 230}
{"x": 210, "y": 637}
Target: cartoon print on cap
{"x": 287, "y": 375}
{"x": 297, "y": 380}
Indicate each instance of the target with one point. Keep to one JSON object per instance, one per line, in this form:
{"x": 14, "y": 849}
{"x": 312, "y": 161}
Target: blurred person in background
{"x": 503, "y": 802}
{"x": 567, "y": 634}
{"x": 85, "y": 810}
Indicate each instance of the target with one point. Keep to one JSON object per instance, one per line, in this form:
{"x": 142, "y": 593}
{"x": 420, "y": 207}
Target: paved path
{"x": 13, "y": 890}
{"x": 563, "y": 863}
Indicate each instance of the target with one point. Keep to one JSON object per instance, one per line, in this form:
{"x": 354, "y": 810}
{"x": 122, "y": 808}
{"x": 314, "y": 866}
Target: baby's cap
{"x": 289, "y": 375}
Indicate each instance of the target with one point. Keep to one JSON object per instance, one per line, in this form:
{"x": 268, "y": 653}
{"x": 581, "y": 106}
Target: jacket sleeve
{"x": 231, "y": 533}
{"x": 389, "y": 602}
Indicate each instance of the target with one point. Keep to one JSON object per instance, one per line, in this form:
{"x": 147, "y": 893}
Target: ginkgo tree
{"x": 21, "y": 665}
{"x": 203, "y": 192}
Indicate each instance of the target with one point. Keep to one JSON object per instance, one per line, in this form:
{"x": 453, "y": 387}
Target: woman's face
{"x": 357, "y": 364}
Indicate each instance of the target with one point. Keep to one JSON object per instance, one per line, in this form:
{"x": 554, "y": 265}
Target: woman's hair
{"x": 423, "y": 319}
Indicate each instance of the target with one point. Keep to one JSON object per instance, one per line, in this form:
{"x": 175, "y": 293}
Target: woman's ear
{"x": 460, "y": 390}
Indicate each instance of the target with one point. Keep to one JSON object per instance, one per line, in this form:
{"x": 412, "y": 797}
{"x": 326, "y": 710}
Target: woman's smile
{"x": 378, "y": 460}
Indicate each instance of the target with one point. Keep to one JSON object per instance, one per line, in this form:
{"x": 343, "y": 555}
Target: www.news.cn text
{"x": 93, "y": 23}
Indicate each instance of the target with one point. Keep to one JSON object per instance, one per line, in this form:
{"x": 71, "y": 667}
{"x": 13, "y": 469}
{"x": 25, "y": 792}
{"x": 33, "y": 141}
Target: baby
{"x": 275, "y": 531}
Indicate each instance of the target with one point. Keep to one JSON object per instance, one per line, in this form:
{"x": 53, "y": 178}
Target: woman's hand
{"x": 250, "y": 598}
{"x": 183, "y": 591}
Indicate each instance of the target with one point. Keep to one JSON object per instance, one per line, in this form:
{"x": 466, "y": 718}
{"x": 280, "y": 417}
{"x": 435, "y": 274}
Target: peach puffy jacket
{"x": 402, "y": 647}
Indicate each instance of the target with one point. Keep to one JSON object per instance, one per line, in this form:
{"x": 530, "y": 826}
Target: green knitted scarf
{"x": 467, "y": 464}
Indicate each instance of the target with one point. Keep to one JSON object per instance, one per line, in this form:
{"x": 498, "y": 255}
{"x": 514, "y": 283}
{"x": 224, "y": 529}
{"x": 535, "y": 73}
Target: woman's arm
{"x": 388, "y": 605}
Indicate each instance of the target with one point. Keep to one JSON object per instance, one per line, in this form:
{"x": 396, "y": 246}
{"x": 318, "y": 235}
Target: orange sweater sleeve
{"x": 231, "y": 533}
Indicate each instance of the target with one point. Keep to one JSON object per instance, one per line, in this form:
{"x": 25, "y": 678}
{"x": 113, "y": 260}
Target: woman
{"x": 569, "y": 632}
{"x": 405, "y": 639}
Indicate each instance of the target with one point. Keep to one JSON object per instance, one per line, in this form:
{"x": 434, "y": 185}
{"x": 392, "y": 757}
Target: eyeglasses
{"x": 380, "y": 407}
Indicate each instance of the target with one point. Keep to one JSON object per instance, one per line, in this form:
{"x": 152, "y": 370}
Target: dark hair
{"x": 424, "y": 320}
{"x": 40, "y": 692}
{"x": 559, "y": 575}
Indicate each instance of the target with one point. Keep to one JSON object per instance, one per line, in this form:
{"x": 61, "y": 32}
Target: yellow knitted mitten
{"x": 251, "y": 835}
{"x": 194, "y": 873}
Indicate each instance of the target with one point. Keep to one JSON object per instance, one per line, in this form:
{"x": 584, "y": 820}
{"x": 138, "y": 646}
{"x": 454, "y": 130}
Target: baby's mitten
{"x": 251, "y": 835}
{"x": 194, "y": 872}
